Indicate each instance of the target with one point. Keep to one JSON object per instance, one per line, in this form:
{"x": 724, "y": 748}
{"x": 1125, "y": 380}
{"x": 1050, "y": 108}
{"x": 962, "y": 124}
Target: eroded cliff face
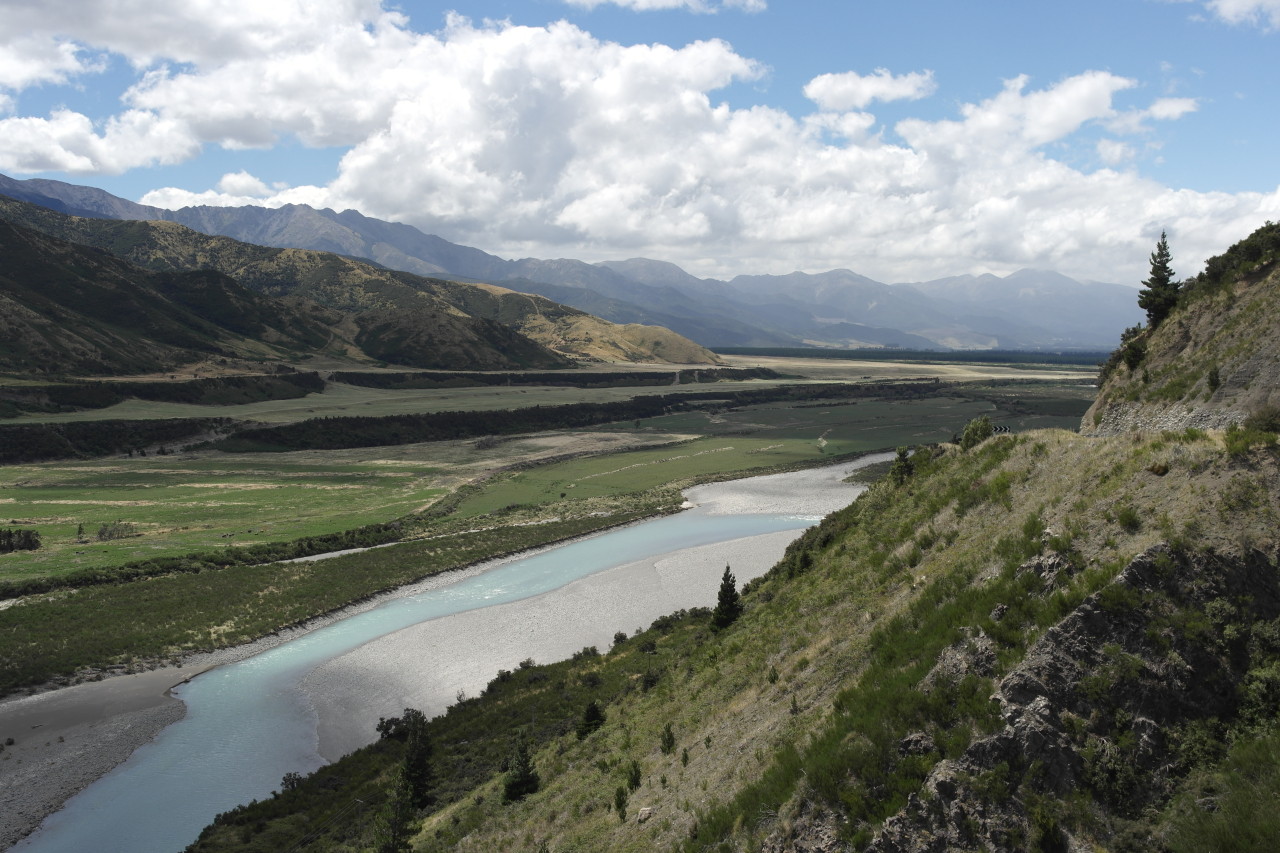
{"x": 1106, "y": 700}
{"x": 1211, "y": 364}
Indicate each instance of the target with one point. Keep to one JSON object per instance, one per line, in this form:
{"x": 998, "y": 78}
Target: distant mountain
{"x": 401, "y": 317}
{"x": 1026, "y": 310}
{"x": 1071, "y": 313}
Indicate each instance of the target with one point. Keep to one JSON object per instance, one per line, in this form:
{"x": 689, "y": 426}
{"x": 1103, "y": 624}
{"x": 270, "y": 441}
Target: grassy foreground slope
{"x": 1118, "y": 597}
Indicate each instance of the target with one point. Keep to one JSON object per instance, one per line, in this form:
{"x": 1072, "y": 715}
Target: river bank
{"x": 86, "y": 730}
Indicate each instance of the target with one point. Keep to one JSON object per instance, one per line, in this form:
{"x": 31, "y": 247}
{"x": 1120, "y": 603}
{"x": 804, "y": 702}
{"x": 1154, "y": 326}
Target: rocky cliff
{"x": 1213, "y": 362}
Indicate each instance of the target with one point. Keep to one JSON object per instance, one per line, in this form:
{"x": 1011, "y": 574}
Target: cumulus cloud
{"x": 193, "y": 31}
{"x": 548, "y": 141}
{"x": 69, "y": 142}
{"x": 1264, "y": 13}
{"x": 30, "y": 60}
{"x": 850, "y": 90}
{"x": 243, "y": 184}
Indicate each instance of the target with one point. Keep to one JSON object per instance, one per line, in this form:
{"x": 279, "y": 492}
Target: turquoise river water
{"x": 248, "y": 723}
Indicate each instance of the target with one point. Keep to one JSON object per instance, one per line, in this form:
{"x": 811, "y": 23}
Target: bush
{"x": 1240, "y": 441}
{"x": 521, "y": 779}
{"x": 668, "y": 740}
{"x": 592, "y": 719}
{"x": 1128, "y": 519}
{"x": 975, "y": 432}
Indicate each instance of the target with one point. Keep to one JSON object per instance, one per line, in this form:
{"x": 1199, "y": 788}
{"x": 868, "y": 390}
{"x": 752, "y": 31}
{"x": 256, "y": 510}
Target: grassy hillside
{"x": 1212, "y": 362}
{"x": 68, "y": 308}
{"x": 398, "y": 317}
{"x": 1115, "y": 595}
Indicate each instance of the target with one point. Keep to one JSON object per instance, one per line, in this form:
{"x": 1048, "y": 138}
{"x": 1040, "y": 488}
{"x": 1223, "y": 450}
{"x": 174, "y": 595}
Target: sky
{"x": 905, "y": 140}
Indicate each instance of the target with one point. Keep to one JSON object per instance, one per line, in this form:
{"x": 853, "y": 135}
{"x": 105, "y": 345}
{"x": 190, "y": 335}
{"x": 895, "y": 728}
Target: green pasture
{"x": 767, "y": 436}
{"x": 207, "y": 502}
{"x": 352, "y": 401}
{"x": 183, "y": 505}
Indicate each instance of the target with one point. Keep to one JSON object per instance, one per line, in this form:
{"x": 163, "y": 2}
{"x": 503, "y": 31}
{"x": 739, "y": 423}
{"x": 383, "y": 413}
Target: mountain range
{"x": 1029, "y": 309}
{"x": 155, "y": 294}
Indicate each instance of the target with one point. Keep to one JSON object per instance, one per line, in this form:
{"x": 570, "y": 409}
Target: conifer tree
{"x": 1159, "y": 294}
{"x": 902, "y": 467}
{"x": 417, "y": 759}
{"x": 728, "y": 603}
{"x": 521, "y": 779}
{"x": 391, "y": 827}
{"x": 592, "y": 719}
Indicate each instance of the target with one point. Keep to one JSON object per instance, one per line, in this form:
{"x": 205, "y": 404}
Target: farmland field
{"x": 164, "y": 506}
{"x": 174, "y": 505}
{"x": 204, "y": 505}
{"x": 340, "y": 399}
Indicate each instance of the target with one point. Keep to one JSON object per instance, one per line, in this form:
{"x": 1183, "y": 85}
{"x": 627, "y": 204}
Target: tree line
{"x": 248, "y": 555}
{"x": 42, "y": 442}
{"x": 21, "y": 539}
{"x": 441, "y": 379}
{"x": 207, "y": 391}
{"x": 334, "y": 433}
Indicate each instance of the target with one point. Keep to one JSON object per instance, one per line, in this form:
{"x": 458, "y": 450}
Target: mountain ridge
{"x": 749, "y": 310}
{"x": 401, "y": 317}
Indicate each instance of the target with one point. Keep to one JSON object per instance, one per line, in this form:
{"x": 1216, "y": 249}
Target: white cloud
{"x": 1162, "y": 109}
{"x": 703, "y": 6}
{"x": 1264, "y": 13}
{"x": 191, "y": 31}
{"x": 29, "y": 60}
{"x": 1166, "y": 109}
{"x": 850, "y": 90}
{"x": 547, "y": 141}
{"x": 243, "y": 184}
{"x": 1113, "y": 152}
{"x": 70, "y": 142}
{"x": 174, "y": 198}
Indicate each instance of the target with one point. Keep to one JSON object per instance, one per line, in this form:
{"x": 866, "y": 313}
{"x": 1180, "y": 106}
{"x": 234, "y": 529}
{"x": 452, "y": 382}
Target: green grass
{"x": 183, "y": 505}
{"x": 350, "y": 400}
{"x": 180, "y": 506}
{"x": 754, "y": 437}
{"x": 46, "y": 635}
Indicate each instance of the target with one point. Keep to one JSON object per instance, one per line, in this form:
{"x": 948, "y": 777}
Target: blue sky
{"x": 904, "y": 140}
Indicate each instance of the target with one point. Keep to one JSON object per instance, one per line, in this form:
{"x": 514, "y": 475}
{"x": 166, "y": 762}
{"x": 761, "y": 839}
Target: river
{"x": 284, "y": 710}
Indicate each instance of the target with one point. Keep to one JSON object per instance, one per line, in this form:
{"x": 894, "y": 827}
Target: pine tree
{"x": 391, "y": 827}
{"x": 1159, "y": 294}
{"x": 728, "y": 603}
{"x": 592, "y": 719}
{"x": 522, "y": 779}
{"x": 902, "y": 467}
{"x": 417, "y": 759}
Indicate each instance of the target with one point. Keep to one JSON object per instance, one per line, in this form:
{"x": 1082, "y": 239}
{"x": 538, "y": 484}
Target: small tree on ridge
{"x": 728, "y": 602}
{"x": 1159, "y": 294}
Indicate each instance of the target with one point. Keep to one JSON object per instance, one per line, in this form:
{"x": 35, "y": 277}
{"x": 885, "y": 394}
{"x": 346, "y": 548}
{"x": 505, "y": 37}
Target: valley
{"x": 1018, "y": 637}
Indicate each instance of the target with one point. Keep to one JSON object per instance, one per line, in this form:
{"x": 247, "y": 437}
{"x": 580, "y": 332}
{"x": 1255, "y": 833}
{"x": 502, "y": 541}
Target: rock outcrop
{"x": 1098, "y": 701}
{"x": 1213, "y": 362}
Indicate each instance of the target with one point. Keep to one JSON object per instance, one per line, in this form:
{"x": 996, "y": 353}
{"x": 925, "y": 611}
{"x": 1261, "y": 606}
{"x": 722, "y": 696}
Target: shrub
{"x": 976, "y": 431}
{"x": 668, "y": 742}
{"x": 521, "y": 779}
{"x": 1240, "y": 441}
{"x": 592, "y": 719}
{"x": 1128, "y": 519}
